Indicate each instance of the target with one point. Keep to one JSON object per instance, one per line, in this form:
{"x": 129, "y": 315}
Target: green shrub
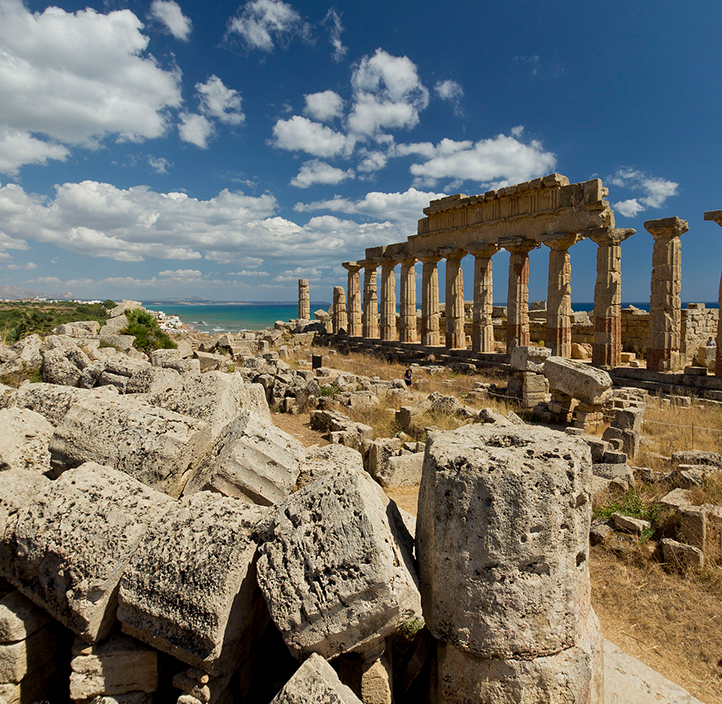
{"x": 148, "y": 335}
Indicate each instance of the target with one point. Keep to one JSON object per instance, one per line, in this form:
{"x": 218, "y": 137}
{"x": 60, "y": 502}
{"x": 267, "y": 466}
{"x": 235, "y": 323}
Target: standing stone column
{"x": 665, "y": 306}
{"x": 607, "y": 347}
{"x": 340, "y": 322}
{"x": 370, "y": 320}
{"x": 517, "y": 303}
{"x": 482, "y": 336}
{"x": 354, "y": 298}
{"x": 430, "y": 300}
{"x": 388, "y": 301}
{"x": 559, "y": 297}
{"x": 304, "y": 300}
{"x": 455, "y": 335}
{"x": 716, "y": 216}
{"x": 407, "y": 321}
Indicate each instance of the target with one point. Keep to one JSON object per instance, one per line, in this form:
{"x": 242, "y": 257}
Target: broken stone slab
{"x": 321, "y": 461}
{"x": 123, "y": 365}
{"x": 580, "y": 381}
{"x": 614, "y": 471}
{"x": 190, "y": 588}
{"x": 682, "y": 555}
{"x": 502, "y": 539}
{"x": 572, "y": 676}
{"x": 529, "y": 359}
{"x": 69, "y": 546}
{"x": 119, "y": 665}
{"x": 19, "y": 617}
{"x": 252, "y": 459}
{"x": 58, "y": 369}
{"x": 336, "y": 569}
{"x": 676, "y": 499}
{"x": 315, "y": 682}
{"x": 157, "y": 447}
{"x": 29, "y": 351}
{"x": 151, "y": 380}
{"x": 688, "y": 476}
{"x": 24, "y": 440}
{"x": 214, "y": 397}
{"x": 80, "y": 329}
{"x": 401, "y": 470}
{"x": 18, "y": 487}
{"x": 53, "y": 401}
{"x": 696, "y": 457}
{"x": 443, "y": 405}
{"x": 379, "y": 452}
{"x": 20, "y": 658}
{"x": 629, "y": 524}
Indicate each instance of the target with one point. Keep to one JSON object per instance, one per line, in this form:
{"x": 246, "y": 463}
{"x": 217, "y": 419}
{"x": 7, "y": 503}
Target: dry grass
{"x": 672, "y": 427}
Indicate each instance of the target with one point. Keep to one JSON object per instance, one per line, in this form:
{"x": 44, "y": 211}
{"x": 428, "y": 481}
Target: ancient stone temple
{"x": 548, "y": 211}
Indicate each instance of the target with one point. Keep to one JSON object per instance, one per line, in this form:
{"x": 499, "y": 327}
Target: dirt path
{"x": 299, "y": 427}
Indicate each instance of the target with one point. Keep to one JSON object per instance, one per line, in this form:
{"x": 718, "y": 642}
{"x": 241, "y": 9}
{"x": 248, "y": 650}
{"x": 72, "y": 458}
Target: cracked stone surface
{"x": 315, "y": 682}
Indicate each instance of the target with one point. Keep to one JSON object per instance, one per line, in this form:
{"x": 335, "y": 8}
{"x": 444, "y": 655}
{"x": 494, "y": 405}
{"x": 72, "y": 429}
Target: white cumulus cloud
{"x": 654, "y": 190}
{"x": 317, "y": 171}
{"x": 301, "y": 134}
{"x": 450, "y": 91}
{"x": 220, "y": 102}
{"x": 195, "y": 129}
{"x": 629, "y": 208}
{"x": 323, "y": 106}
{"x": 264, "y": 23}
{"x": 159, "y": 164}
{"x": 169, "y": 14}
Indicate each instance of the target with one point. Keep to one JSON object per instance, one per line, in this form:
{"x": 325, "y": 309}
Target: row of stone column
{"x": 364, "y": 321}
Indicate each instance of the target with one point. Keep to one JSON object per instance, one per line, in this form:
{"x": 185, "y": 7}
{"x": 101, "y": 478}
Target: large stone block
{"x": 214, "y": 397}
{"x": 573, "y": 676}
{"x": 315, "y": 682}
{"x": 52, "y": 401}
{"x": 529, "y": 359}
{"x": 155, "y": 446}
{"x": 321, "y": 461}
{"x": 19, "y": 617}
{"x": 69, "y": 546}
{"x": 336, "y": 568}
{"x": 190, "y": 589}
{"x": 17, "y": 489}
{"x": 20, "y": 658}
{"x": 502, "y": 539}
{"x": 580, "y": 381}
{"x": 253, "y": 460}
{"x": 24, "y": 440}
{"x": 402, "y": 470}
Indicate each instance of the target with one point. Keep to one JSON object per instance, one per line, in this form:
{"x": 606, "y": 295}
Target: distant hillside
{"x": 20, "y": 292}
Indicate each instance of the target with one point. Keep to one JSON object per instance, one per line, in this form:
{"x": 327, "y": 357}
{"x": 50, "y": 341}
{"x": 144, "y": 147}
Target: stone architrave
{"x": 70, "y": 545}
{"x": 340, "y": 319}
{"x": 430, "y": 335}
{"x": 559, "y": 296}
{"x": 304, "y": 300}
{"x": 482, "y": 336}
{"x": 407, "y": 320}
{"x": 354, "y": 299}
{"x": 388, "y": 301}
{"x": 455, "y": 335}
{"x": 665, "y": 307}
{"x": 517, "y": 325}
{"x": 370, "y": 320}
{"x": 607, "y": 347}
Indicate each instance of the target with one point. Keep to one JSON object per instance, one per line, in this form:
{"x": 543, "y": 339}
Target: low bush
{"x": 148, "y": 335}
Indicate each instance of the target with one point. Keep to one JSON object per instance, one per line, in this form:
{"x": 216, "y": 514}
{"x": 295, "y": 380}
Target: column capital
{"x": 666, "y": 228}
{"x": 353, "y": 267}
{"x": 715, "y": 215}
{"x": 388, "y": 263}
{"x": 609, "y": 235}
{"x": 368, "y": 264}
{"x": 429, "y": 257}
{"x": 483, "y": 251}
{"x": 516, "y": 244}
{"x": 406, "y": 259}
{"x": 452, "y": 253}
{"x": 561, "y": 240}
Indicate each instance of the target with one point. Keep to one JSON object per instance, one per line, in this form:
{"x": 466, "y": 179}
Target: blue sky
{"x": 224, "y": 150}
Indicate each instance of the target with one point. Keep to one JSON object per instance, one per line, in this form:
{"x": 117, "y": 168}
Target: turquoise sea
{"x": 232, "y": 317}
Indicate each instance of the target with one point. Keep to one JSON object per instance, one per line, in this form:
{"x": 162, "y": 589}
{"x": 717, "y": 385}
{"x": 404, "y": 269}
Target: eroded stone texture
{"x": 572, "y": 676}
{"x": 214, "y": 397}
{"x": 387, "y": 325}
{"x": 430, "y": 335}
{"x": 70, "y": 545}
{"x": 24, "y": 440}
{"x": 558, "y": 334}
{"x": 517, "y": 326}
{"x": 53, "y": 401}
{"x": 320, "y": 461}
{"x": 354, "y": 299}
{"x": 304, "y": 300}
{"x": 19, "y": 659}
{"x": 455, "y": 336}
{"x": 252, "y": 459}
{"x": 340, "y": 319}
{"x": 19, "y": 617}
{"x": 370, "y": 319}
{"x": 157, "y": 447}
{"x": 502, "y": 538}
{"x": 482, "y": 337}
{"x": 190, "y": 589}
{"x": 407, "y": 318}
{"x": 577, "y": 380}
{"x": 315, "y": 682}
{"x": 336, "y": 568}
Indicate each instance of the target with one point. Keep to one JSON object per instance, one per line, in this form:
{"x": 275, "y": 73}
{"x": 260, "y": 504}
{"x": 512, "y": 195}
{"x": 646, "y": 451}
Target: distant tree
{"x": 148, "y": 335}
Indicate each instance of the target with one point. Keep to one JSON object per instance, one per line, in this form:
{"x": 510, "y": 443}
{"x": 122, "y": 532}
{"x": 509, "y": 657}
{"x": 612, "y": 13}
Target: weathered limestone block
{"x": 29, "y": 351}
{"x": 70, "y": 545}
{"x": 58, "y": 369}
{"x": 401, "y": 470}
{"x": 697, "y": 457}
{"x": 151, "y": 380}
{"x": 123, "y": 365}
{"x": 529, "y": 359}
{"x": 336, "y": 568}
{"x": 577, "y": 380}
{"x": 122, "y": 307}
{"x": 214, "y": 397}
{"x": 24, "y": 440}
{"x": 340, "y": 428}
{"x": 157, "y": 447}
{"x": 321, "y": 461}
{"x": 91, "y": 375}
{"x": 17, "y": 489}
{"x": 315, "y": 682}
{"x": 190, "y": 588}
{"x": 502, "y": 539}
{"x": 682, "y": 555}
{"x": 118, "y": 666}
{"x": 35, "y": 686}
{"x": 379, "y": 452}
{"x": 81, "y": 329}
{"x": 22, "y": 657}
{"x": 211, "y": 362}
{"x": 252, "y": 460}
{"x": 106, "y": 378}
{"x": 573, "y": 676}
{"x": 54, "y": 401}
{"x": 19, "y": 617}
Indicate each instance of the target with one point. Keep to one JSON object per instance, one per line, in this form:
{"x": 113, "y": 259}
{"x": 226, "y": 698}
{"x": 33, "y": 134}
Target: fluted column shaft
{"x": 607, "y": 346}
{"x": 455, "y": 335}
{"x": 370, "y": 319}
{"x": 482, "y": 335}
{"x": 304, "y": 300}
{"x": 339, "y": 318}
{"x": 716, "y": 216}
{"x": 388, "y": 302}
{"x": 517, "y": 313}
{"x": 407, "y": 320}
{"x": 665, "y": 306}
{"x": 354, "y": 299}
{"x": 559, "y": 298}
{"x": 430, "y": 301}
